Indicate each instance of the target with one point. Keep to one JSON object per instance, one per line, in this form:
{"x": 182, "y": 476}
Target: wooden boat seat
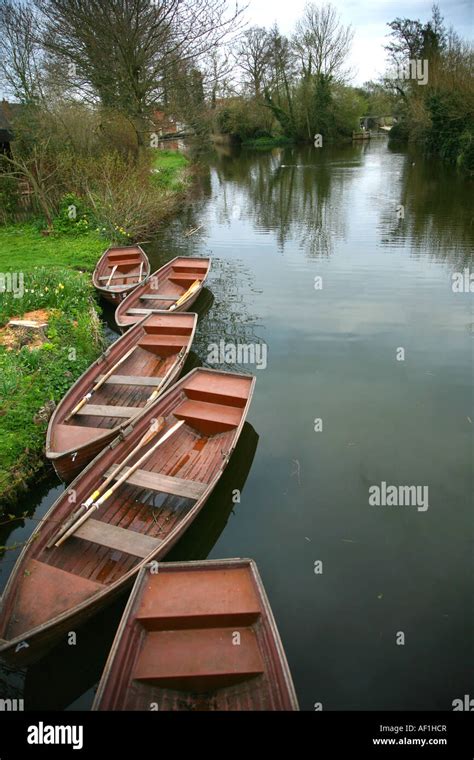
{"x": 234, "y": 392}
{"x": 208, "y": 418}
{"x": 157, "y": 297}
{"x": 132, "y": 380}
{"x": 164, "y": 345}
{"x": 105, "y": 410}
{"x": 119, "y": 256}
{"x": 67, "y": 436}
{"x": 131, "y": 312}
{"x": 127, "y": 263}
{"x": 121, "y": 539}
{"x": 184, "y": 279}
{"x": 118, "y": 276}
{"x": 45, "y": 592}
{"x": 208, "y": 599}
{"x": 200, "y": 267}
{"x": 199, "y": 659}
{"x": 154, "y": 481}
{"x": 178, "y": 324}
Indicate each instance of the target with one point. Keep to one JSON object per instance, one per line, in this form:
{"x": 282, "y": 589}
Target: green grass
{"x": 33, "y": 380}
{"x": 268, "y": 142}
{"x": 23, "y": 247}
{"x": 170, "y": 169}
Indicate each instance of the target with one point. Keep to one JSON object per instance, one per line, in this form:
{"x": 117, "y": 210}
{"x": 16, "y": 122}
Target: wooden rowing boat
{"x": 197, "y": 636}
{"x": 148, "y": 359}
{"x": 182, "y": 276}
{"x": 50, "y": 591}
{"x": 119, "y": 271}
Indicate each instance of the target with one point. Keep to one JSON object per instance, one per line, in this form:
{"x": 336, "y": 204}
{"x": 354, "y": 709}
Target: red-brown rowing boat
{"x": 148, "y": 359}
{"x": 197, "y": 636}
{"x": 174, "y": 287}
{"x": 119, "y": 271}
{"x": 53, "y": 590}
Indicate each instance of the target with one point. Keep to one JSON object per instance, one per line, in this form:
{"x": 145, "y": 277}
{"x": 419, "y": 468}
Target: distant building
{"x": 165, "y": 124}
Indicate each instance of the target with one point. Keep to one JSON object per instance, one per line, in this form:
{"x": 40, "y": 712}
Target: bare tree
{"x": 122, "y": 50}
{"x": 218, "y": 69}
{"x": 321, "y": 42}
{"x": 20, "y": 54}
{"x": 253, "y": 55}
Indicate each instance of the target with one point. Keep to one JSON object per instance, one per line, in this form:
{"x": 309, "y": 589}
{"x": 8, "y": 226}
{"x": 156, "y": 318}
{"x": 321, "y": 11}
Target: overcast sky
{"x": 369, "y": 19}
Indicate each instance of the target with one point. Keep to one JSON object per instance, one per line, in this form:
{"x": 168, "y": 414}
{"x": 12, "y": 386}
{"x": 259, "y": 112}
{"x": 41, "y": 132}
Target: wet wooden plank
{"x": 118, "y": 276}
{"x": 190, "y": 489}
{"x": 158, "y": 297}
{"x": 103, "y": 410}
{"x": 147, "y": 311}
{"x": 132, "y": 380}
{"x": 121, "y": 539}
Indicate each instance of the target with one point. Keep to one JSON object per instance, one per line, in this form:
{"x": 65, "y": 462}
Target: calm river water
{"x": 340, "y": 262}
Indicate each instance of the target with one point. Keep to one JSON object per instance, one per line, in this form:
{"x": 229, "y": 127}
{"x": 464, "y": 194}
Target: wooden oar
{"x": 192, "y": 231}
{"x": 140, "y": 272}
{"x": 149, "y": 435}
{"x": 160, "y": 385}
{"x": 192, "y": 288}
{"x": 111, "y": 276}
{"x": 118, "y": 483}
{"x": 98, "y": 385}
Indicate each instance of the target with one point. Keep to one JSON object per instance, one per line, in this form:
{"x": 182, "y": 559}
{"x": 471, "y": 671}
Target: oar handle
{"x": 79, "y": 406}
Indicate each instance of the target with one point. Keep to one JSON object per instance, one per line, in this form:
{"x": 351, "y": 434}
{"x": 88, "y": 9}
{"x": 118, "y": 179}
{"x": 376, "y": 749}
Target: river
{"x": 337, "y": 263}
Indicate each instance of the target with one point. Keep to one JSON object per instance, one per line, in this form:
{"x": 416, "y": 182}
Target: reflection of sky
{"x": 369, "y": 20}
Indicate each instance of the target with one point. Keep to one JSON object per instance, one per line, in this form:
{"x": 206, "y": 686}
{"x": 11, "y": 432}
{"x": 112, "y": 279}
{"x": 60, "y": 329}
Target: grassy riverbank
{"x": 49, "y": 276}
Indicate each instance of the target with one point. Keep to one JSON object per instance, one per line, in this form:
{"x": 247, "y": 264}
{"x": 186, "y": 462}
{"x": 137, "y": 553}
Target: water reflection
{"x": 437, "y": 219}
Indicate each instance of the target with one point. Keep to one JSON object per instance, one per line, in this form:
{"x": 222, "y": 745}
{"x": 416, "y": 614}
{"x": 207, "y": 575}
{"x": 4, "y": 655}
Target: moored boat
{"x": 119, "y": 270}
{"x": 174, "y": 287}
{"x": 134, "y": 370}
{"x": 197, "y": 636}
{"x": 143, "y": 490}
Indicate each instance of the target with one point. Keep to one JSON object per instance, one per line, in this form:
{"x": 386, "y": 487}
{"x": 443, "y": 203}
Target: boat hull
{"x": 175, "y": 646}
{"x": 115, "y": 275}
{"x": 54, "y": 588}
{"x": 70, "y": 453}
{"x": 172, "y": 281}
